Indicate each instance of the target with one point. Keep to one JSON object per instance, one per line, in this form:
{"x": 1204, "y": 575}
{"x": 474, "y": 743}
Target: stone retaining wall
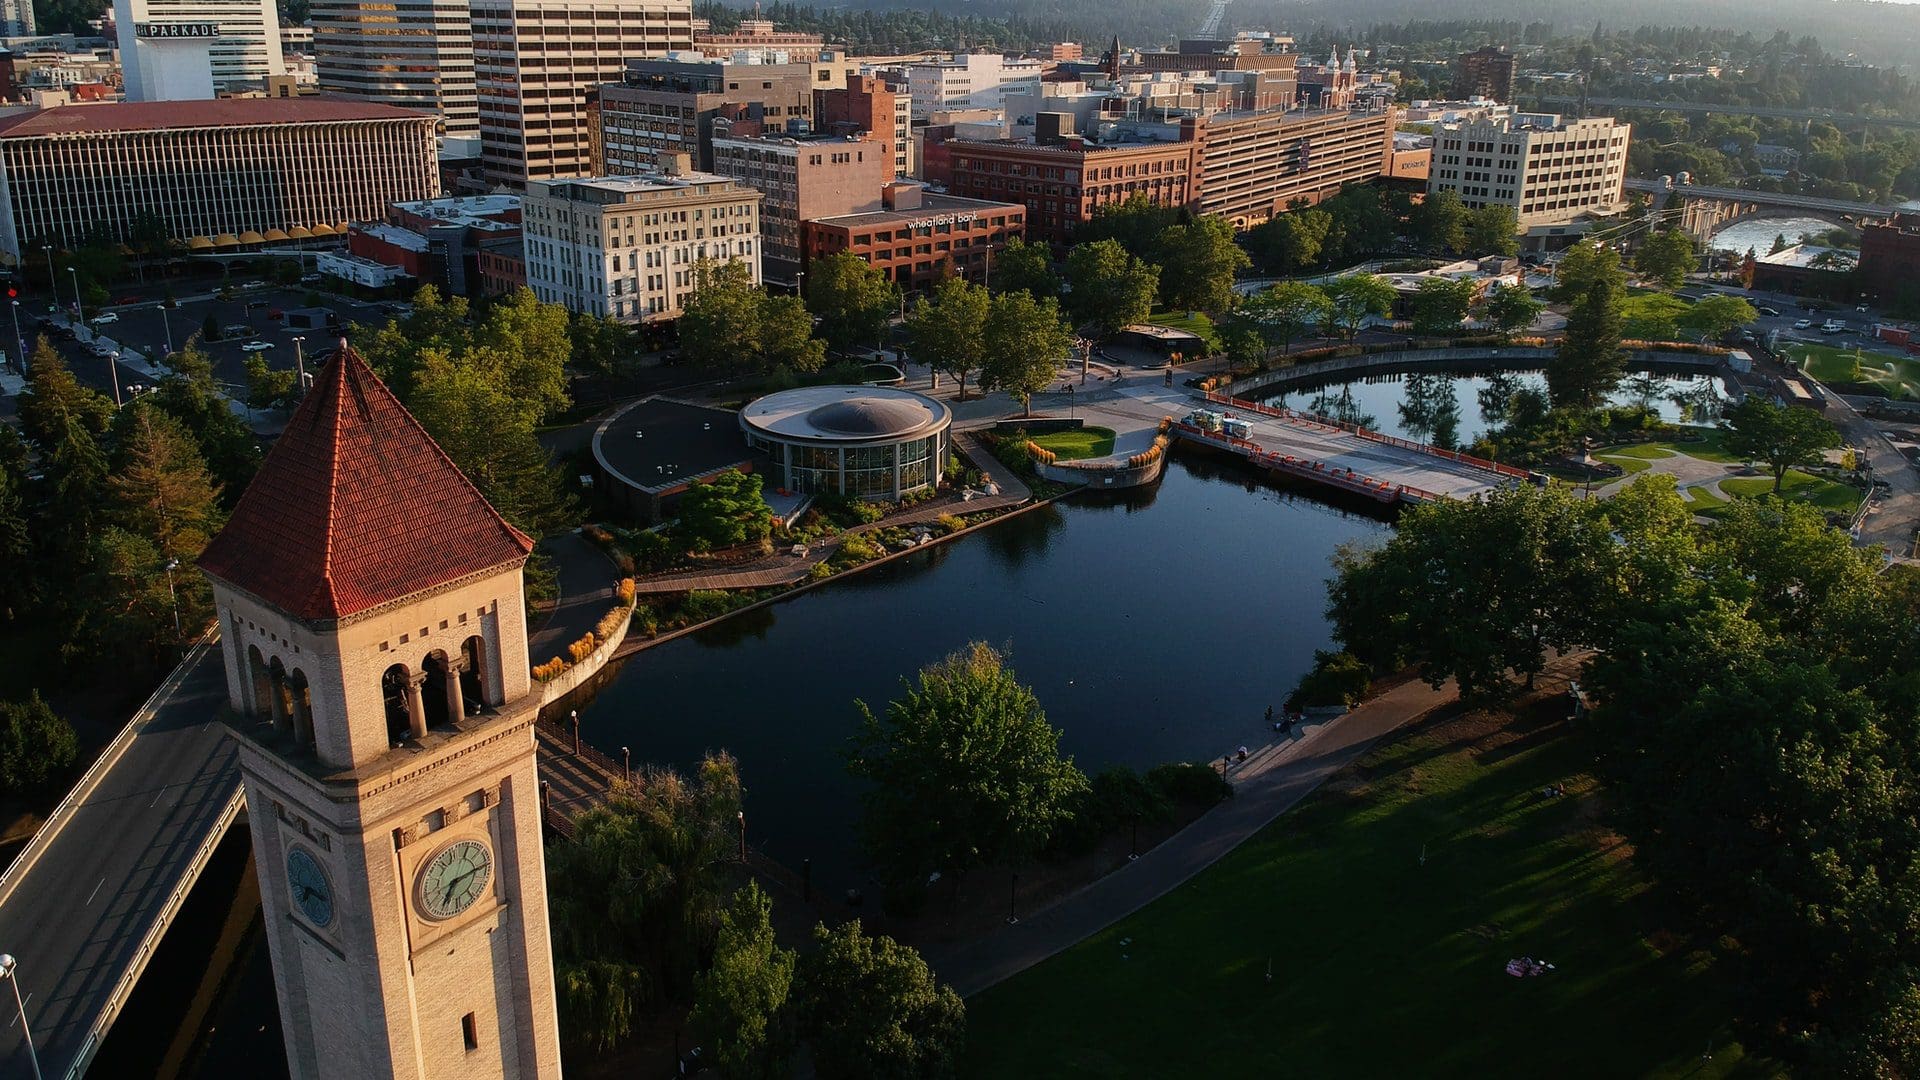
{"x": 576, "y": 676}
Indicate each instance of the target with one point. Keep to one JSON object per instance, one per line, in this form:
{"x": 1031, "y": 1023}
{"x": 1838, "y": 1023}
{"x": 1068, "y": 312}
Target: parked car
{"x": 253, "y": 284}
{"x": 234, "y": 330}
{"x": 128, "y": 300}
{"x": 1803, "y": 324}
{"x": 1832, "y": 327}
{"x": 276, "y": 314}
{"x": 102, "y": 349}
{"x": 256, "y": 346}
{"x": 1771, "y": 313}
{"x": 251, "y": 304}
{"x": 102, "y": 320}
{"x": 309, "y": 279}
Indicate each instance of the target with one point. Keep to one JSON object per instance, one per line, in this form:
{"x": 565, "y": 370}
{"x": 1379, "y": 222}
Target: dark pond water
{"x": 1155, "y": 626}
{"x": 1377, "y": 401}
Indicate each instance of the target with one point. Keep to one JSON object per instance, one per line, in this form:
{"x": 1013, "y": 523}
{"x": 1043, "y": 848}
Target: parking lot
{"x": 137, "y": 321}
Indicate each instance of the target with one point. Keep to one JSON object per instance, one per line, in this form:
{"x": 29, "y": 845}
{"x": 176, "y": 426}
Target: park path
{"x": 788, "y": 569}
{"x": 1270, "y": 782}
{"x": 587, "y": 581}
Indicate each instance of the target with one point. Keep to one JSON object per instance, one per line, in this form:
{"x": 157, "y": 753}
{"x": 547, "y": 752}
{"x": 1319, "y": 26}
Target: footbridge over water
{"x": 1314, "y": 449}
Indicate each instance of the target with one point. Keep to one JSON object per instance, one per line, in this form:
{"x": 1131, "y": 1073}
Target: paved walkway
{"x": 587, "y": 582}
{"x": 1268, "y": 784}
{"x": 787, "y": 569}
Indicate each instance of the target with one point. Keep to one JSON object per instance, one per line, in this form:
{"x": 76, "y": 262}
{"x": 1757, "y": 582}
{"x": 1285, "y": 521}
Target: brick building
{"x": 1890, "y": 258}
{"x": 1253, "y": 165}
{"x": 918, "y": 238}
{"x": 867, "y": 106}
{"x": 1064, "y": 180}
{"x": 1485, "y": 72}
{"x": 803, "y": 179}
{"x": 675, "y": 106}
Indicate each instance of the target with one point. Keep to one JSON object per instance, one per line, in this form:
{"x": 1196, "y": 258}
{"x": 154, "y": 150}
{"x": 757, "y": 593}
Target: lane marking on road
{"x": 156, "y": 796}
{"x": 94, "y": 893}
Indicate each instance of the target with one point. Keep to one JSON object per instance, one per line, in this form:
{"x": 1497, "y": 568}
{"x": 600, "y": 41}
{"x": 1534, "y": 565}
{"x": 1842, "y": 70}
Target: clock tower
{"x": 374, "y": 633}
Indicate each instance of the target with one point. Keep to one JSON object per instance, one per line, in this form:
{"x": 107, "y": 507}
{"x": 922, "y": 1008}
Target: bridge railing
{"x": 1281, "y": 413}
{"x": 1318, "y": 471}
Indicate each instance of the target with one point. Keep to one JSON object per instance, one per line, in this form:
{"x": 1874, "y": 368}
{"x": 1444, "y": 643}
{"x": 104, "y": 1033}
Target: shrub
{"x": 37, "y": 746}
{"x": 649, "y": 551}
{"x": 1013, "y": 450}
{"x": 598, "y": 535}
{"x": 1040, "y": 453}
{"x": 582, "y": 648}
{"x": 1336, "y": 679}
{"x": 950, "y": 523}
{"x": 610, "y": 623}
{"x": 1114, "y": 799}
{"x": 857, "y": 548}
{"x": 550, "y": 670}
{"x": 1190, "y": 784}
{"x": 625, "y": 591}
{"x": 703, "y": 604}
{"x": 820, "y": 570}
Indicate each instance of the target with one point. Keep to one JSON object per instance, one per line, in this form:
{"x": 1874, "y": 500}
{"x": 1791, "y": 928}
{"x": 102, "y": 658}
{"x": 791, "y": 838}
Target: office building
{"x": 221, "y": 175}
{"x": 627, "y": 246}
{"x": 675, "y": 105}
{"x": 969, "y": 79}
{"x": 918, "y": 238}
{"x": 1553, "y": 172}
{"x": 1485, "y": 72}
{"x": 441, "y": 242}
{"x": 1890, "y": 257}
{"x": 16, "y": 19}
{"x": 803, "y": 179}
{"x": 1063, "y": 178}
{"x": 413, "y": 54}
{"x": 164, "y": 43}
{"x": 535, "y": 60}
{"x": 867, "y": 106}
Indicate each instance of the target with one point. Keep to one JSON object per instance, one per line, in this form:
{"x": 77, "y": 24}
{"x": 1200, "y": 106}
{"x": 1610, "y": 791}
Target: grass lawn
{"x": 1702, "y": 501}
{"x": 1707, "y": 448}
{"x": 1797, "y": 486}
{"x": 1898, "y": 375}
{"x": 1382, "y": 966}
{"x": 1086, "y": 442}
{"x": 1632, "y": 463}
{"x": 1193, "y": 322}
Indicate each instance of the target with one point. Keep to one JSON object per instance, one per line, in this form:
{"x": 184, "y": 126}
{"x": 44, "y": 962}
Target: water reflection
{"x": 1157, "y": 633}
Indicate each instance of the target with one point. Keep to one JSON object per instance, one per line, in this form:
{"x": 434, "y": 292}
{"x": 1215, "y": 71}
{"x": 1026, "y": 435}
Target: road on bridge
{"x": 77, "y": 909}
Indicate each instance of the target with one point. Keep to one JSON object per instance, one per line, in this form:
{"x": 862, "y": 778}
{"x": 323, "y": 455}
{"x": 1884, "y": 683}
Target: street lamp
{"x": 173, "y": 597}
{"x": 626, "y": 760}
{"x": 299, "y": 365}
{"x": 576, "y": 730}
{"x": 166, "y": 328}
{"x": 742, "y": 815}
{"x": 18, "y": 341}
{"x": 7, "y": 964}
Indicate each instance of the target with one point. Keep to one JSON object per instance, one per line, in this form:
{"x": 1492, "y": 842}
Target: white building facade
{"x": 237, "y": 40}
{"x": 1552, "y": 172}
{"x": 626, "y": 246}
{"x": 968, "y": 80}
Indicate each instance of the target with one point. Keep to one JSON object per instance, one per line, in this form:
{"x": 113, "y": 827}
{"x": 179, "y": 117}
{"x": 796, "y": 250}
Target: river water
{"x": 1154, "y": 626}
{"x": 1759, "y": 233}
{"x": 1375, "y": 401}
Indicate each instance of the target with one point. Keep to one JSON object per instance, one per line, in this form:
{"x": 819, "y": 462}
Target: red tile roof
{"x": 219, "y": 112}
{"x": 355, "y": 506}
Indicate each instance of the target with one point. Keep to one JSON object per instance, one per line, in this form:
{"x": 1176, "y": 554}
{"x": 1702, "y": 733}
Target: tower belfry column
{"x": 416, "y": 708}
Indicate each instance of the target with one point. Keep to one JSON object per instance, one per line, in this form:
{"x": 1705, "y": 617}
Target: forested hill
{"x": 1883, "y": 34}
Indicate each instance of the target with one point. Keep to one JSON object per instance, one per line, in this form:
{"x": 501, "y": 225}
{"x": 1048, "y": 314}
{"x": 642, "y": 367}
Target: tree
{"x": 1588, "y": 364}
{"x": 640, "y": 886}
{"x": 210, "y": 328}
{"x": 160, "y": 488}
{"x": 1439, "y": 222}
{"x": 1779, "y": 244}
{"x": 1472, "y": 589}
{"x": 740, "y": 1010}
{"x": 37, "y": 747}
{"x": 948, "y": 330}
{"x": 1287, "y": 310}
{"x": 190, "y": 395}
{"x": 1493, "y": 229}
{"x": 267, "y": 388}
{"x": 1026, "y": 341}
{"x": 599, "y": 343}
{"x": 1511, "y": 308}
{"x": 1781, "y": 436}
{"x": 725, "y": 511}
{"x": 1666, "y": 258}
{"x": 599, "y": 1000}
{"x": 1713, "y": 316}
{"x": 1136, "y": 225}
{"x": 524, "y": 344}
{"x": 54, "y": 399}
{"x": 853, "y": 299}
{"x": 872, "y": 1009}
{"x": 1198, "y": 265}
{"x": 471, "y": 412}
{"x": 728, "y": 323}
{"x": 965, "y": 770}
{"x": 1354, "y": 299}
{"x": 1024, "y": 267}
{"x": 1292, "y": 241}
{"x": 1111, "y": 288}
{"x": 1441, "y": 304}
{"x": 1656, "y": 317}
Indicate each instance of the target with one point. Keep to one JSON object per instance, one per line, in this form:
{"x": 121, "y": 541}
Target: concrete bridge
{"x": 1699, "y": 108}
{"x": 1705, "y": 209}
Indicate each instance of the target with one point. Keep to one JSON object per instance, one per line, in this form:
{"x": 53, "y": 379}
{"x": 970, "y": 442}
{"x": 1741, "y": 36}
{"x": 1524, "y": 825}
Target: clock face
{"x": 454, "y": 878}
{"x": 308, "y": 883}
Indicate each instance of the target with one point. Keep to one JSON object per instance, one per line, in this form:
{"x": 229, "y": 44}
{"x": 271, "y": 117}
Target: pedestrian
{"x": 1269, "y": 715}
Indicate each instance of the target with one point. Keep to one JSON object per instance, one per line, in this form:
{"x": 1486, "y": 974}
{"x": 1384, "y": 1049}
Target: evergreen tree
{"x": 1589, "y": 362}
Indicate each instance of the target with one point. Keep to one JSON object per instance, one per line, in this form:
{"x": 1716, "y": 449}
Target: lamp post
{"x": 7, "y": 964}
{"x": 166, "y": 328}
{"x": 1013, "y": 886}
{"x": 19, "y": 342}
{"x": 173, "y": 597}
{"x": 742, "y": 815}
{"x": 626, "y": 760}
{"x": 77, "y": 313}
{"x": 113, "y": 360}
{"x": 576, "y": 730}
